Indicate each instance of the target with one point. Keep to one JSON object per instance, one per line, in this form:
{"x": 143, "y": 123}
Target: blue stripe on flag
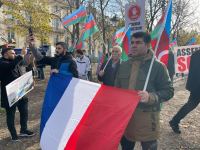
{"x": 168, "y": 20}
{"x": 74, "y": 13}
{"x": 55, "y": 89}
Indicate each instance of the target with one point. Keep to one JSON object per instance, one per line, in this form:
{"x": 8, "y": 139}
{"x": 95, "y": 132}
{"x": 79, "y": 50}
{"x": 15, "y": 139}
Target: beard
{"x": 59, "y": 54}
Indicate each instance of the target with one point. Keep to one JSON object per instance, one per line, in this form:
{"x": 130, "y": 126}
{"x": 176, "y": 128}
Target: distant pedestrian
{"x": 83, "y": 64}
{"x": 171, "y": 65}
{"x": 90, "y": 70}
{"x": 40, "y": 68}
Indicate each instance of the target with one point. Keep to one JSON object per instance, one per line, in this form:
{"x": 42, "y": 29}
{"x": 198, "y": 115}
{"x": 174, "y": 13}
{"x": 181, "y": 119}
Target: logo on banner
{"x": 163, "y": 56}
{"x": 134, "y": 12}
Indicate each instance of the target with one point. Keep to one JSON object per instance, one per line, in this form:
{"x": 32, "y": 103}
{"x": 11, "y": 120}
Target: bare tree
{"x": 101, "y": 5}
{"x": 154, "y": 9}
{"x": 121, "y": 6}
{"x": 183, "y": 16}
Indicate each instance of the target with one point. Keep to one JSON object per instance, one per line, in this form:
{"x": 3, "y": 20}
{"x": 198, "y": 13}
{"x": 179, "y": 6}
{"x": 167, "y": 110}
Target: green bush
{"x": 2, "y": 111}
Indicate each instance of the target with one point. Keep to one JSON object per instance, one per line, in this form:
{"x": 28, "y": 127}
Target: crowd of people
{"x": 145, "y": 122}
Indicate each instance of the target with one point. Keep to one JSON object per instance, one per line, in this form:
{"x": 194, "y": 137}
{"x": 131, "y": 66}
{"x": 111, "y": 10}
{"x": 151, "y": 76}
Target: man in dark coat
{"x": 144, "y": 125}
{"x": 108, "y": 73}
{"x": 171, "y": 65}
{"x": 193, "y": 85}
{"x": 63, "y": 61}
{"x": 10, "y": 70}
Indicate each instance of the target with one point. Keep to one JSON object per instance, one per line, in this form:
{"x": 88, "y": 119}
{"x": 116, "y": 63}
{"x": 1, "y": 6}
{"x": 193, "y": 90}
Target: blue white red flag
{"x": 81, "y": 115}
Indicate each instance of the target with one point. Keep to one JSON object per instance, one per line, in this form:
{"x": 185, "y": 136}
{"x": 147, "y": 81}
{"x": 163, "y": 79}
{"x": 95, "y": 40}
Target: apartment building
{"x": 57, "y": 7}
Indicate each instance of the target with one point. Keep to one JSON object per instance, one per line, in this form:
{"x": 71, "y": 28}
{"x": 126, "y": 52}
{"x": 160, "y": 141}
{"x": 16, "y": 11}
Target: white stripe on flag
{"x": 62, "y": 122}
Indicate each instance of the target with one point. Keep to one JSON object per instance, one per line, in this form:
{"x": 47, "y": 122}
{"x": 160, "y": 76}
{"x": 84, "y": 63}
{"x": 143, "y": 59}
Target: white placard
{"x": 19, "y": 87}
{"x": 135, "y": 16}
{"x": 182, "y": 57}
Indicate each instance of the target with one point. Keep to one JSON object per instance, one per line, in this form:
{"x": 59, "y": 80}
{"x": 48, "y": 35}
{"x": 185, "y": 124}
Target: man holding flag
{"x": 108, "y": 71}
{"x": 144, "y": 124}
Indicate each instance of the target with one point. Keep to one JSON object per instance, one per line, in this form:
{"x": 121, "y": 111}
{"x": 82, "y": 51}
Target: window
{"x": 55, "y": 23}
{"x": 11, "y": 35}
{"x": 55, "y": 39}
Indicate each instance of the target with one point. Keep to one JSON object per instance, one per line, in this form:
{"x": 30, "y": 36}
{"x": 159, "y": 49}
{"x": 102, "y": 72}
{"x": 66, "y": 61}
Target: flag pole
{"x": 152, "y": 60}
{"x": 107, "y": 63}
{"x": 111, "y": 55}
{"x": 156, "y": 48}
{"x": 125, "y": 34}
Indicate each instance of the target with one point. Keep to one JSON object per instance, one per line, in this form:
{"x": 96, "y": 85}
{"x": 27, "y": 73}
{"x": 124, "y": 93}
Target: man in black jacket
{"x": 10, "y": 70}
{"x": 171, "y": 65}
{"x": 62, "y": 62}
{"x": 193, "y": 85}
{"x": 109, "y": 69}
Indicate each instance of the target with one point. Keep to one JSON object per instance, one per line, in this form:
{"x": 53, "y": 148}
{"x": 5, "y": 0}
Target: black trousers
{"x": 129, "y": 145}
{"x": 40, "y": 73}
{"x": 193, "y": 101}
{"x": 22, "y": 106}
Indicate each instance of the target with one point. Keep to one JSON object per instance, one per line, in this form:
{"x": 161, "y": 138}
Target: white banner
{"x": 135, "y": 16}
{"x": 19, "y": 87}
{"x": 182, "y": 57}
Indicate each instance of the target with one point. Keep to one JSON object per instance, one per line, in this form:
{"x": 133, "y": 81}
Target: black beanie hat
{"x": 5, "y": 48}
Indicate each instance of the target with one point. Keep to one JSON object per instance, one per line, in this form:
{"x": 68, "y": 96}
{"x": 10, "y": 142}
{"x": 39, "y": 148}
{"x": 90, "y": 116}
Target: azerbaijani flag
{"x": 122, "y": 38}
{"x": 162, "y": 35}
{"x": 192, "y": 41}
{"x": 173, "y": 43}
{"x": 118, "y": 36}
{"x": 82, "y": 115}
{"x": 77, "y": 16}
{"x": 80, "y": 45}
{"x": 90, "y": 27}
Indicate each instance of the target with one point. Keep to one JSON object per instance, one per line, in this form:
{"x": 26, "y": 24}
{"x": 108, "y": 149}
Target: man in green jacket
{"x": 144, "y": 124}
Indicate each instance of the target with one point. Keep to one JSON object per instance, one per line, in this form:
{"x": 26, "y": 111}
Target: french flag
{"x": 82, "y": 115}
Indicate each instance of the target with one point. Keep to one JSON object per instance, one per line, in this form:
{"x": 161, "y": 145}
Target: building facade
{"x": 57, "y": 7}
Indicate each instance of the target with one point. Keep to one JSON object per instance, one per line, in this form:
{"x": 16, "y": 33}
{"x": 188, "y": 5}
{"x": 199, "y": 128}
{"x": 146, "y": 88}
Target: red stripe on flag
{"x": 126, "y": 44}
{"x": 104, "y": 122}
{"x": 119, "y": 35}
{"x": 89, "y": 25}
{"x": 163, "y": 47}
{"x": 79, "y": 45}
{"x": 79, "y": 15}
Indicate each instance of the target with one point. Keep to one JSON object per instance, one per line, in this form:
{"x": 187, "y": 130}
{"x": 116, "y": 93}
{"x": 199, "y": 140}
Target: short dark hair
{"x": 63, "y": 44}
{"x": 79, "y": 51}
{"x": 4, "y": 50}
{"x": 146, "y": 36}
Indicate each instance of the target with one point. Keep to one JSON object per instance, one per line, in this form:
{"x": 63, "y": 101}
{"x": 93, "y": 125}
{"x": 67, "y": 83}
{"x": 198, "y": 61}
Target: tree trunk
{"x": 77, "y": 25}
{"x": 103, "y": 27}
